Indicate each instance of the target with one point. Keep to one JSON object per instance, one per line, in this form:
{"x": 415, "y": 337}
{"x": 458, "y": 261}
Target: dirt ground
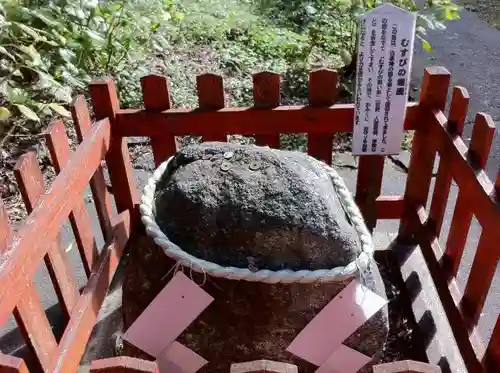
{"x": 487, "y": 10}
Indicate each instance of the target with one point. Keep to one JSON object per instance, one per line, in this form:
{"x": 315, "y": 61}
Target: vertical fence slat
{"x": 106, "y": 105}
{"x": 491, "y": 359}
{"x": 266, "y": 94}
{"x": 478, "y": 153}
{"x": 482, "y": 138}
{"x": 368, "y": 187}
{"x": 487, "y": 254}
{"x": 456, "y": 120}
{"x": 5, "y": 229}
{"x": 432, "y": 97}
{"x": 11, "y": 364}
{"x": 102, "y": 197}
{"x": 157, "y": 98}
{"x": 210, "y": 89}
{"x": 457, "y": 236}
{"x": 28, "y": 313}
{"x": 322, "y": 91}
{"x": 32, "y": 186}
{"x": 58, "y": 144}
{"x": 480, "y": 277}
{"x": 77, "y": 332}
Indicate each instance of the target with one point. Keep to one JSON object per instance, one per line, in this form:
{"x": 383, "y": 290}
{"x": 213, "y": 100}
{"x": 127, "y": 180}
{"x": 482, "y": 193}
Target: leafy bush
{"x": 50, "y": 48}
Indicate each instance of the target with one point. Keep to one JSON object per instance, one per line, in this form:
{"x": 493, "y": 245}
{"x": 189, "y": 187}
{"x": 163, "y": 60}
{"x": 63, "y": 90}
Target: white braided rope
{"x": 360, "y": 264}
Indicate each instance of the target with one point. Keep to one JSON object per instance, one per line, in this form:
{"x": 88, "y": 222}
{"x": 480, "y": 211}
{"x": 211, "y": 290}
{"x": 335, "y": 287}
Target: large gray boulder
{"x": 240, "y": 205}
{"x": 261, "y": 208}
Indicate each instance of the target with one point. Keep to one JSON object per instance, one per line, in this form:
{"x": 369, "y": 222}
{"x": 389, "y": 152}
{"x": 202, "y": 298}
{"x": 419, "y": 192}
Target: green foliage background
{"x": 50, "y": 49}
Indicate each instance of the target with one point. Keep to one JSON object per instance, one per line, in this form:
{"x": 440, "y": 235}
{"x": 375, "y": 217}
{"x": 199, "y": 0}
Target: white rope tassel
{"x": 359, "y": 265}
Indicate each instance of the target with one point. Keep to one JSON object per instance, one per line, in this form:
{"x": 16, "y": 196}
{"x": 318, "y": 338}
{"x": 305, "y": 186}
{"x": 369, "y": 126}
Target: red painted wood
{"x": 491, "y": 359}
{"x": 106, "y": 105}
{"x": 467, "y": 339}
{"x": 100, "y": 193}
{"x": 322, "y": 91}
{"x": 476, "y": 182}
{"x": 368, "y": 186}
{"x": 210, "y": 89}
{"x": 481, "y": 275}
{"x": 458, "y": 113}
{"x": 58, "y": 144}
{"x": 43, "y": 224}
{"x": 246, "y": 121}
{"x": 29, "y": 313}
{"x": 389, "y": 207}
{"x": 32, "y": 187}
{"x": 482, "y": 138}
{"x": 11, "y": 364}
{"x": 79, "y": 328}
{"x": 157, "y": 98}
{"x": 266, "y": 94}
{"x": 123, "y": 364}
{"x": 432, "y": 97}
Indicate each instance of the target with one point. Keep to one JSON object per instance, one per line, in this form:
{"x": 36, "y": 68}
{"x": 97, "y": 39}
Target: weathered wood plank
{"x": 79, "y": 328}
{"x": 467, "y": 338}
{"x": 266, "y": 94}
{"x": 368, "y": 186}
{"x": 322, "y": 91}
{"x": 123, "y": 364}
{"x": 432, "y": 97}
{"x": 210, "y": 89}
{"x": 11, "y": 364}
{"x": 29, "y": 313}
{"x": 491, "y": 359}
{"x": 476, "y": 182}
{"x": 102, "y": 197}
{"x": 43, "y": 224}
{"x": 456, "y": 119}
{"x": 157, "y": 98}
{"x": 106, "y": 105}
{"x": 246, "y": 121}
{"x": 58, "y": 144}
{"x": 32, "y": 187}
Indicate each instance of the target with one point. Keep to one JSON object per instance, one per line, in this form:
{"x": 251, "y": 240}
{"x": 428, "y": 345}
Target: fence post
{"x": 423, "y": 153}
{"x": 106, "y": 105}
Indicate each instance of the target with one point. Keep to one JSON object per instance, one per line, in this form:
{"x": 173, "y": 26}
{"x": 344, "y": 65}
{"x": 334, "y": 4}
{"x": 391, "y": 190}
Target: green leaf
{"x": 28, "y": 113}
{"x": 426, "y": 45}
{"x": 6, "y": 53}
{"x": 60, "y": 110}
{"x": 29, "y": 30}
{"x": 4, "y": 113}
{"x": 33, "y": 53}
{"x": 94, "y": 36}
{"x": 346, "y": 56}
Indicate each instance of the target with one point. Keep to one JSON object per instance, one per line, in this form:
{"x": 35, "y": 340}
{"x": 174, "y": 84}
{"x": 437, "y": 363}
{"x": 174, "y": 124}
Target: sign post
{"x": 385, "y": 50}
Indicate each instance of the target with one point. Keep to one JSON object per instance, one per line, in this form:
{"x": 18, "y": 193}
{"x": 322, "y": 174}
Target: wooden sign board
{"x": 385, "y": 50}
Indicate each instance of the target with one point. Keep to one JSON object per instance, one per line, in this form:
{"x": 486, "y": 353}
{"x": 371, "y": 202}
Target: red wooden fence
{"x": 435, "y": 133}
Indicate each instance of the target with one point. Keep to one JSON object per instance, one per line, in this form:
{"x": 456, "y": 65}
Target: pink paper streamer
{"x": 349, "y": 310}
{"x": 343, "y": 360}
{"x": 177, "y": 358}
{"x": 177, "y": 306}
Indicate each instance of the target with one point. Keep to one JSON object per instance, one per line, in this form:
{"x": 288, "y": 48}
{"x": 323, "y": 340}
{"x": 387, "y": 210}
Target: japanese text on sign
{"x": 383, "y": 75}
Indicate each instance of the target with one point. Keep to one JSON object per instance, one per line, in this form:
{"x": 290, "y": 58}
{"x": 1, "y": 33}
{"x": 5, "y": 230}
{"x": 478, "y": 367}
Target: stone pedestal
{"x": 247, "y": 321}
